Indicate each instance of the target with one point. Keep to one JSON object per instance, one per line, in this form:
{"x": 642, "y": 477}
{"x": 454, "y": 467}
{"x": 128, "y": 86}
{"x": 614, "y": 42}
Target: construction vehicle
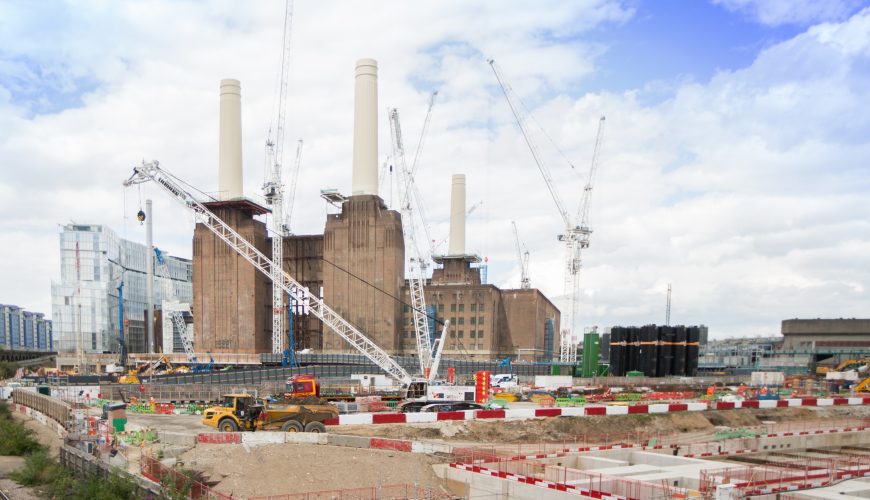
{"x": 244, "y": 412}
{"x": 864, "y": 386}
{"x": 302, "y": 387}
{"x": 420, "y": 394}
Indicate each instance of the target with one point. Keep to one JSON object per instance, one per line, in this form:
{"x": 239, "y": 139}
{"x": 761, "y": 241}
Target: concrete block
{"x": 661, "y": 408}
{"x": 430, "y": 448}
{"x": 305, "y": 437}
{"x": 390, "y": 444}
{"x": 696, "y": 406}
{"x": 824, "y": 402}
{"x": 794, "y": 402}
{"x": 856, "y": 401}
{"x": 348, "y": 441}
{"x": 177, "y": 438}
{"x": 413, "y": 418}
{"x": 617, "y": 410}
{"x": 359, "y": 418}
{"x": 767, "y": 403}
{"x": 261, "y": 438}
{"x": 519, "y": 413}
{"x": 574, "y": 412}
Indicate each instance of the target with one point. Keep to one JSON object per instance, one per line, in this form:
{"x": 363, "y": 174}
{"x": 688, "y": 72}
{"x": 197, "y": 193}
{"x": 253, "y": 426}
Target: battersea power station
{"x": 357, "y": 266}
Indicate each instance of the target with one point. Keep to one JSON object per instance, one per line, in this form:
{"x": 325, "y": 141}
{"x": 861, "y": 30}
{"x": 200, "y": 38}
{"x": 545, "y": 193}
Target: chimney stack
{"x": 365, "y": 128}
{"x": 457, "y": 216}
{"x": 230, "y": 152}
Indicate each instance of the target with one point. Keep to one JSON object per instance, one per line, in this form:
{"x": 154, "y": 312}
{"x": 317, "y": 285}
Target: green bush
{"x": 5, "y": 412}
{"x": 39, "y": 469}
{"x": 7, "y": 369}
{"x": 16, "y": 439}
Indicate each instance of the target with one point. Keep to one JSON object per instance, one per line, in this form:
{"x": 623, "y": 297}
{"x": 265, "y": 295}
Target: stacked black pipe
{"x": 656, "y": 351}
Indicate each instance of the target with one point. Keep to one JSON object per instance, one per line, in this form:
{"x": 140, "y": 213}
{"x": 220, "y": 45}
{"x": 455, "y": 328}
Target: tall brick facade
{"x": 231, "y": 299}
{"x": 363, "y": 270}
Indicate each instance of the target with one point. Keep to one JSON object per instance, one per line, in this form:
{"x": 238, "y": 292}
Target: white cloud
{"x": 799, "y": 12}
{"x": 747, "y": 192}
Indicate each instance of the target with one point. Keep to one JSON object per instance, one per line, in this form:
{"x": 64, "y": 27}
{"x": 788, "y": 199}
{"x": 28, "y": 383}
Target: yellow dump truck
{"x": 244, "y": 412}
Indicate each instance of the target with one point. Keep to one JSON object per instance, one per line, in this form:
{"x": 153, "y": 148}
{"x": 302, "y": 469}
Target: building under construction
{"x": 357, "y": 266}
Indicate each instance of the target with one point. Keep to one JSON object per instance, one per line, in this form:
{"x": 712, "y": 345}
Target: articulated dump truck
{"x": 244, "y": 412}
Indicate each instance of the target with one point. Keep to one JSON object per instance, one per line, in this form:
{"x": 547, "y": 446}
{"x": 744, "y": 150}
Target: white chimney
{"x": 230, "y": 155}
{"x": 457, "y": 216}
{"x": 365, "y": 128}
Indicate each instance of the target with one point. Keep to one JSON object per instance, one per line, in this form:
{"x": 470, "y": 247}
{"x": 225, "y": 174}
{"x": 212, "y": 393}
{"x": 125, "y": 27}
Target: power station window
{"x": 473, "y": 320}
{"x": 473, "y": 333}
{"x": 453, "y": 308}
{"x": 480, "y": 320}
{"x": 473, "y": 307}
{"x": 480, "y": 334}
{"x": 461, "y": 334}
{"x": 480, "y": 307}
{"x": 452, "y": 335}
{"x": 461, "y": 307}
{"x": 461, "y": 321}
{"x": 441, "y": 308}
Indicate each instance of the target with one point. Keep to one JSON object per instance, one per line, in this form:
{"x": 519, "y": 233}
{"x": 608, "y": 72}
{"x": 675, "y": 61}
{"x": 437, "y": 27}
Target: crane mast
{"x": 417, "y": 265}
{"x": 575, "y": 235}
{"x": 273, "y": 189}
{"x": 152, "y": 172}
{"x": 175, "y": 316}
{"x": 523, "y": 259}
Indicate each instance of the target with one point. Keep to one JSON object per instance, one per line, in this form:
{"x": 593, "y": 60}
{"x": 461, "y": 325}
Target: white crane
{"x": 152, "y": 172}
{"x": 273, "y": 189}
{"x": 576, "y": 231}
{"x": 162, "y": 269}
{"x": 417, "y": 264}
{"x": 523, "y": 259}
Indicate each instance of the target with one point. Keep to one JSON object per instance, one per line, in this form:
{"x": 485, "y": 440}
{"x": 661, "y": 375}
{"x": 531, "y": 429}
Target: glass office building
{"x": 94, "y": 262}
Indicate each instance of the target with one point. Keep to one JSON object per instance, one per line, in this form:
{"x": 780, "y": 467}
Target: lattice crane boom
{"x": 162, "y": 269}
{"x": 417, "y": 268}
{"x": 152, "y": 172}
{"x": 273, "y": 189}
{"x": 513, "y": 102}
{"x": 523, "y": 259}
{"x": 575, "y": 236}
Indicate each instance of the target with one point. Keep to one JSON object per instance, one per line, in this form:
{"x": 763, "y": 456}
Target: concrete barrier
{"x": 177, "y": 438}
{"x": 349, "y": 441}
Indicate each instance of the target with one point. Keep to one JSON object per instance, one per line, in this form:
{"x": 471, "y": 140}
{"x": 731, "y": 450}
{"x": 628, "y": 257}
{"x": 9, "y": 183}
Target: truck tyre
{"x": 317, "y": 427}
{"x": 291, "y": 426}
{"x": 228, "y": 425}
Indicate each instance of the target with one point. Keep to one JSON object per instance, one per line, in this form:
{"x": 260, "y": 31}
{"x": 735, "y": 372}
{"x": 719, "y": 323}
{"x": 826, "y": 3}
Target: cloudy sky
{"x": 734, "y": 164}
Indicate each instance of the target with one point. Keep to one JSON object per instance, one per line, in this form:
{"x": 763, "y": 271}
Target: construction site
{"x": 362, "y": 362}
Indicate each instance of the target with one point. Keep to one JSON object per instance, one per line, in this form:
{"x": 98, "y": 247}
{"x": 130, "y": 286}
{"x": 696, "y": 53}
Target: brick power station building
{"x": 356, "y": 265}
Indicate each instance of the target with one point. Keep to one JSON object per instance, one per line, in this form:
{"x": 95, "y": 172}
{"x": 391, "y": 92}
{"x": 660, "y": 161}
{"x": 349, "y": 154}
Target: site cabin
{"x": 421, "y": 394}
{"x": 243, "y": 412}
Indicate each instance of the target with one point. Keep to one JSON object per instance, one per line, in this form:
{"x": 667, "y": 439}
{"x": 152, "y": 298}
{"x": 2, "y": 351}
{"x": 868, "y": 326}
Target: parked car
{"x": 452, "y": 406}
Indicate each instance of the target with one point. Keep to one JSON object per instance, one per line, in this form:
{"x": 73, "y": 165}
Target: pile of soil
{"x": 293, "y": 468}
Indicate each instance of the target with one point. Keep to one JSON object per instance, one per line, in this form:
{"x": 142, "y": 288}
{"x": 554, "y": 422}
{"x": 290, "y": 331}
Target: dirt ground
{"x": 290, "y": 468}
{"x": 45, "y": 436}
{"x": 597, "y": 428}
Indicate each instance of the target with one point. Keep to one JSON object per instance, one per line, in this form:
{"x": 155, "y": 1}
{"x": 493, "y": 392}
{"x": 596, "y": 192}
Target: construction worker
{"x": 741, "y": 391}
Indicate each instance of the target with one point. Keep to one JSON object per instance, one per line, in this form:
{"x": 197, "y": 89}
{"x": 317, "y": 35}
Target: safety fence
{"x": 54, "y": 409}
{"x": 560, "y": 478}
{"x": 388, "y": 492}
{"x": 778, "y": 473}
{"x": 175, "y": 480}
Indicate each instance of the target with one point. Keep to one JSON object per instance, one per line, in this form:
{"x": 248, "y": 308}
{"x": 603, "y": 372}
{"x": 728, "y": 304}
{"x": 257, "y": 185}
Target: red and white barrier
{"x": 595, "y": 410}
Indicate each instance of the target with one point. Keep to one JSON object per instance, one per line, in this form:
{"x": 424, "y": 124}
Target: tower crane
{"x": 176, "y": 317}
{"x": 152, "y": 172}
{"x": 523, "y": 258}
{"x": 576, "y": 232}
{"x": 273, "y": 189}
{"x": 417, "y": 264}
